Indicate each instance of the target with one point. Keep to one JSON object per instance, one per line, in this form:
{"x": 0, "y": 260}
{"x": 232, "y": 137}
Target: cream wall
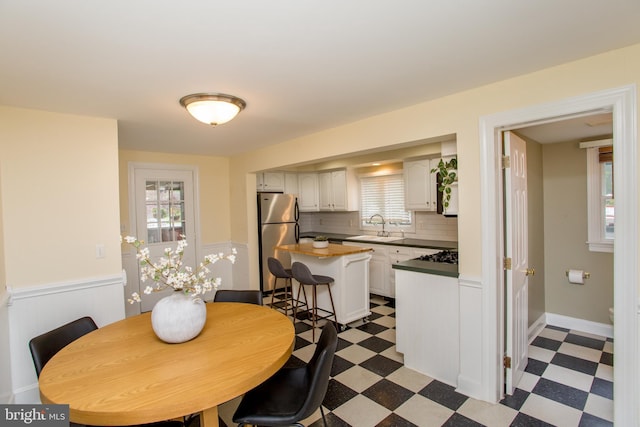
{"x": 59, "y": 176}
{"x": 58, "y": 200}
{"x": 565, "y": 236}
{"x": 5, "y": 368}
{"x": 213, "y": 178}
{"x": 456, "y": 114}
{"x": 2, "y": 265}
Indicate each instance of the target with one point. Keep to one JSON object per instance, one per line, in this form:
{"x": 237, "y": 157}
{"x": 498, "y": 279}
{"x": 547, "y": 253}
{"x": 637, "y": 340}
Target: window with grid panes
{"x": 165, "y": 211}
{"x": 384, "y": 195}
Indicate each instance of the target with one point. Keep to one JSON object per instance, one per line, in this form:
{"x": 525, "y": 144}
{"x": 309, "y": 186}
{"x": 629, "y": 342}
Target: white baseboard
{"x": 469, "y": 386}
{"x": 537, "y": 327}
{"x": 27, "y": 395}
{"x": 582, "y": 325}
{"x": 7, "y": 399}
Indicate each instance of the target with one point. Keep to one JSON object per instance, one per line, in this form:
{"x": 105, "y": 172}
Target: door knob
{"x": 530, "y": 271}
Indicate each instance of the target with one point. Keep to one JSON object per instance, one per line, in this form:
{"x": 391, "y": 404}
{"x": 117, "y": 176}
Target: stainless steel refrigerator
{"x": 278, "y": 225}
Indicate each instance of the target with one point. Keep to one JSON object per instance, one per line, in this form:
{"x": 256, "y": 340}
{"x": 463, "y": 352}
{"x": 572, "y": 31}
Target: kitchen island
{"x": 349, "y": 267}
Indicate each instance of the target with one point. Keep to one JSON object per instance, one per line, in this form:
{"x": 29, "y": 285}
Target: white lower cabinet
{"x": 397, "y": 254}
{"x": 427, "y": 324}
{"x": 378, "y": 265}
{"x": 381, "y": 275}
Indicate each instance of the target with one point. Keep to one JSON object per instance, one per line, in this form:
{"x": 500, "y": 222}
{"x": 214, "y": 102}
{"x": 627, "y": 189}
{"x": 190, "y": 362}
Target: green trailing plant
{"x": 448, "y": 175}
{"x": 321, "y": 238}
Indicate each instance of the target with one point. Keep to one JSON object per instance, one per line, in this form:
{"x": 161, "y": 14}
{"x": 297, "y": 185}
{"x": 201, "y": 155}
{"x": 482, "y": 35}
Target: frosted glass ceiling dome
{"x": 213, "y": 108}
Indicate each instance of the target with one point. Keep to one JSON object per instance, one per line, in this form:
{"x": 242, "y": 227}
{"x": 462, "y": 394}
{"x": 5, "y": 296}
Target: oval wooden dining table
{"x": 122, "y": 374}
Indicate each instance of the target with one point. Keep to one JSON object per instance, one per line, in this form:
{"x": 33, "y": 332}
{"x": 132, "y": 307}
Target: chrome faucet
{"x": 380, "y": 233}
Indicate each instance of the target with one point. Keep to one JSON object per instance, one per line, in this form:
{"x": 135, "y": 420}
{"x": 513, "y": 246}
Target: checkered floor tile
{"x": 568, "y": 382}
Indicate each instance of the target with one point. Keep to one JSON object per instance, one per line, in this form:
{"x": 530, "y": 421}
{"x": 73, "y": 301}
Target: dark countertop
{"x": 428, "y": 267}
{"x": 414, "y": 243}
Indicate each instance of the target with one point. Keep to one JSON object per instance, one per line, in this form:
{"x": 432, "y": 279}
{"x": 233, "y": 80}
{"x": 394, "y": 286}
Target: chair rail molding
{"x": 60, "y": 287}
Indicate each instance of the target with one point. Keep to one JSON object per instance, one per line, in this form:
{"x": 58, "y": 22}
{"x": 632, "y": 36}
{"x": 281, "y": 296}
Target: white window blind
{"x": 383, "y": 195}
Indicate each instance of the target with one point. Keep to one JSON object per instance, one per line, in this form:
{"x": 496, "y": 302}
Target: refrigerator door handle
{"x": 297, "y": 232}
{"x": 296, "y": 211}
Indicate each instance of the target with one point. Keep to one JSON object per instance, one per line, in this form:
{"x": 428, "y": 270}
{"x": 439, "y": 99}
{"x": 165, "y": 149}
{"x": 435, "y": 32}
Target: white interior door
{"x": 516, "y": 248}
{"x": 164, "y": 212}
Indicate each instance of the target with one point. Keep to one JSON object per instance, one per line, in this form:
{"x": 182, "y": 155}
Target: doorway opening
{"x": 162, "y": 210}
{"x": 622, "y": 103}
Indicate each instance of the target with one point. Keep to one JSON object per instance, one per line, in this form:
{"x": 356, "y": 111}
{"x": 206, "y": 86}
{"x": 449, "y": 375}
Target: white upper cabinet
{"x": 420, "y": 186}
{"x": 291, "y": 183}
{"x": 308, "y": 192}
{"x": 338, "y": 190}
{"x": 270, "y": 181}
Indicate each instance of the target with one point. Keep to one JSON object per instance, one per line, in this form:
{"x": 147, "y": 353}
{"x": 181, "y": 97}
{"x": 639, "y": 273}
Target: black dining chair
{"x": 293, "y": 393}
{"x": 234, "y": 295}
{"x": 45, "y": 346}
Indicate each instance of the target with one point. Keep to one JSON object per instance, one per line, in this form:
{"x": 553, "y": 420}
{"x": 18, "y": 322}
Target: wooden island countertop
{"x": 332, "y": 250}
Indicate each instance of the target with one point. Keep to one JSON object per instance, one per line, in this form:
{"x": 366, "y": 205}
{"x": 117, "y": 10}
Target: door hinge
{"x": 507, "y": 263}
{"x": 506, "y": 362}
{"x": 506, "y": 162}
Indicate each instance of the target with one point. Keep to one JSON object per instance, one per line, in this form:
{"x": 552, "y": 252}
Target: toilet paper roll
{"x": 576, "y": 276}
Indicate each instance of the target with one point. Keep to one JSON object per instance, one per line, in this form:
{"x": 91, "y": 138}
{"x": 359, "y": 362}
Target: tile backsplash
{"x": 429, "y": 225}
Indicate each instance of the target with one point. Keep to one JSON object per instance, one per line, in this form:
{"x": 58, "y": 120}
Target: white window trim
{"x": 595, "y": 235}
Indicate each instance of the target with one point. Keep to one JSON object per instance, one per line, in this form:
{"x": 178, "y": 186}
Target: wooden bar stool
{"x": 279, "y": 272}
{"x": 303, "y": 275}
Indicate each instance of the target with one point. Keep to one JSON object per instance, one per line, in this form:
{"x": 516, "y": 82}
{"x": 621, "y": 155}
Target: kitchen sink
{"x": 369, "y": 238}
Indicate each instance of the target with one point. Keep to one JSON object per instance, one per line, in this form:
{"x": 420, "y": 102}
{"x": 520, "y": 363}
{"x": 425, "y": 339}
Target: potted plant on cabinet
{"x": 448, "y": 171}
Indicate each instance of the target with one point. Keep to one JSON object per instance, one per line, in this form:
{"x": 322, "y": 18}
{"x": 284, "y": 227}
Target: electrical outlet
{"x": 320, "y": 221}
{"x": 351, "y": 223}
{"x": 100, "y": 250}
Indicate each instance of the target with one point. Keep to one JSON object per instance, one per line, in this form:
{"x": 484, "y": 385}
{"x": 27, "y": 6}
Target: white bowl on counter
{"x": 319, "y": 244}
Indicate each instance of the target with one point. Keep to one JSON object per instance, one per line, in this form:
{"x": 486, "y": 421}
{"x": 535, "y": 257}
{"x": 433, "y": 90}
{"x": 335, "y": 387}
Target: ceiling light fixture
{"x": 212, "y": 108}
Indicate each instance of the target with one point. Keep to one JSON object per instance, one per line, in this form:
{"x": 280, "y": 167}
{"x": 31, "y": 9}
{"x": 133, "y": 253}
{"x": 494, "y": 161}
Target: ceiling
{"x": 301, "y": 66}
{"x": 582, "y": 128}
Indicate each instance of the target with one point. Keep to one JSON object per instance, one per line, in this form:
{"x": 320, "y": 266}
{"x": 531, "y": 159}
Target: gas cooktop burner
{"x": 448, "y": 257}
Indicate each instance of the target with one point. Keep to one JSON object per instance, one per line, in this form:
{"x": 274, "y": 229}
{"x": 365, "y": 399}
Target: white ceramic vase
{"x": 178, "y": 318}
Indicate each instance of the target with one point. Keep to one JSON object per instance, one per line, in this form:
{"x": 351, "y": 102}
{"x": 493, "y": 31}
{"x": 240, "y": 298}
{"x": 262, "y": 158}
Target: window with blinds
{"x": 384, "y": 195}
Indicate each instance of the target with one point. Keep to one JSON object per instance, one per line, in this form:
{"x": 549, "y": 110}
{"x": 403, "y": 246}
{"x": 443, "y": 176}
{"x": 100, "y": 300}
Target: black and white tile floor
{"x": 568, "y": 382}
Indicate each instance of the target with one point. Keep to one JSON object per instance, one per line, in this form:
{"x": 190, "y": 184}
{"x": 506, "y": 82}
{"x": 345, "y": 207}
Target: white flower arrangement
{"x": 170, "y": 272}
